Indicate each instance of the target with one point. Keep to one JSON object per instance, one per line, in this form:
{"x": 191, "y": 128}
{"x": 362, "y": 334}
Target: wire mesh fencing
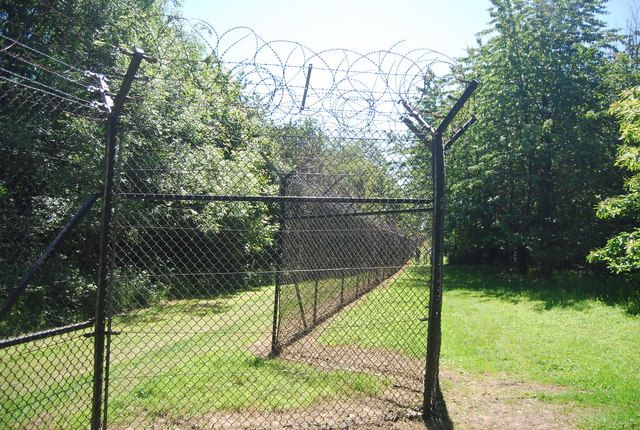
{"x": 51, "y": 152}
{"x": 334, "y": 253}
{"x": 267, "y": 265}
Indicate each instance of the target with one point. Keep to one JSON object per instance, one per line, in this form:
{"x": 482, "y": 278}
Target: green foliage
{"x": 189, "y": 116}
{"x": 525, "y": 177}
{"x": 622, "y": 251}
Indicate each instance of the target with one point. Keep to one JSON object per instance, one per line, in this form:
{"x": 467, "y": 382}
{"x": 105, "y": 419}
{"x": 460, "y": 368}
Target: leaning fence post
{"x": 112, "y": 126}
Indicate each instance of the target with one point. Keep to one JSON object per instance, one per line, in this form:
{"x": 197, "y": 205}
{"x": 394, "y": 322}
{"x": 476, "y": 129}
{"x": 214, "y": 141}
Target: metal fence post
{"x": 305, "y": 326}
{"x": 100, "y": 333}
{"x": 279, "y": 241}
{"x": 315, "y": 298}
{"x": 432, "y": 395}
{"x": 435, "y": 296}
{"x": 432, "y": 409}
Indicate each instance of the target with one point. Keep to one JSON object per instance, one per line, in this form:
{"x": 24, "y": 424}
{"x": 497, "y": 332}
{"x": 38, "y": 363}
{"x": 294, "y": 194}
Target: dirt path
{"x": 473, "y": 401}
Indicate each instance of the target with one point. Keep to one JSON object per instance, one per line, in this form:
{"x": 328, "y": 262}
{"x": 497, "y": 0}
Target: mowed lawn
{"x": 180, "y": 358}
{"x": 578, "y": 332}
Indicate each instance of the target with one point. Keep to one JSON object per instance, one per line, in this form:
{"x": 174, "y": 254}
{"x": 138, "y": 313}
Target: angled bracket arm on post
{"x": 432, "y": 409}
{"x": 416, "y": 115}
{"x": 460, "y": 132}
{"x": 418, "y": 133}
{"x": 468, "y": 91}
{"x": 420, "y": 130}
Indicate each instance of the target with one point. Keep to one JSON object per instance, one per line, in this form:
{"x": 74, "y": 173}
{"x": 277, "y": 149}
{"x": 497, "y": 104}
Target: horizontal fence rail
{"x": 13, "y": 341}
{"x": 297, "y": 199}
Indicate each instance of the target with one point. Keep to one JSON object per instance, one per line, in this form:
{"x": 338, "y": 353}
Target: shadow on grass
{"x": 195, "y": 295}
{"x": 160, "y": 311}
{"x": 572, "y": 289}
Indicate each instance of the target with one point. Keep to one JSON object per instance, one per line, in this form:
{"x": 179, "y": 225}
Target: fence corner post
{"x": 99, "y": 334}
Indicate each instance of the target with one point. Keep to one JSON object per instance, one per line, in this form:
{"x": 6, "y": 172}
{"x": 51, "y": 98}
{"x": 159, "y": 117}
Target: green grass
{"x": 576, "y": 331}
{"x": 387, "y": 318}
{"x": 192, "y": 357}
{"x": 327, "y": 300}
{"x": 180, "y": 357}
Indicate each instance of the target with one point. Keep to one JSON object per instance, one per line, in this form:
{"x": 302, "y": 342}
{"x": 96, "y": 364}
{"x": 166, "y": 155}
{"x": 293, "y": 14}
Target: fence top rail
{"x": 258, "y": 198}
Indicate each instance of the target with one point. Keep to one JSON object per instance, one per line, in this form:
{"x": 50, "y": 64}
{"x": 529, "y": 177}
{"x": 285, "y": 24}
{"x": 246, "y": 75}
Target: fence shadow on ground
{"x": 441, "y": 421}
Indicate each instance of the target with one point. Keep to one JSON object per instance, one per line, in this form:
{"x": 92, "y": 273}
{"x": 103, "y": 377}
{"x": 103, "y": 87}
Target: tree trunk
{"x": 522, "y": 258}
{"x": 546, "y": 214}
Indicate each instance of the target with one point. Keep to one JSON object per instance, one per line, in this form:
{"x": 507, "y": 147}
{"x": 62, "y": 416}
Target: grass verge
{"x": 557, "y": 332}
{"x": 180, "y": 358}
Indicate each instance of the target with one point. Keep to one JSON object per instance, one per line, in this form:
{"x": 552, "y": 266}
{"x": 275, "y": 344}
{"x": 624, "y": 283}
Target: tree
{"x": 523, "y": 181}
{"x": 622, "y": 251}
{"x": 189, "y": 117}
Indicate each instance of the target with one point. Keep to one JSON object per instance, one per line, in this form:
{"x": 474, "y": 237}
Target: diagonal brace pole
{"x": 37, "y": 265}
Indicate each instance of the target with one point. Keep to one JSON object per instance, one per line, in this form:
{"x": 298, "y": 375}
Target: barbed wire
{"x": 39, "y": 52}
{"x": 34, "y": 78}
{"x": 340, "y": 88}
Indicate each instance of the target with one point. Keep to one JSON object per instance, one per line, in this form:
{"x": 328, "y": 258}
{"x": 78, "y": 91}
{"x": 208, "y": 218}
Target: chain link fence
{"x": 51, "y": 152}
{"x": 267, "y": 263}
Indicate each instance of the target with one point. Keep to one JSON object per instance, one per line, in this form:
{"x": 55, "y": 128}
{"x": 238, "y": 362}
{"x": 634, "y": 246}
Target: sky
{"x": 447, "y": 26}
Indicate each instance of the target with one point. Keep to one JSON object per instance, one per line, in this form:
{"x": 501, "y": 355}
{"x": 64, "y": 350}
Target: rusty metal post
{"x": 100, "y": 334}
